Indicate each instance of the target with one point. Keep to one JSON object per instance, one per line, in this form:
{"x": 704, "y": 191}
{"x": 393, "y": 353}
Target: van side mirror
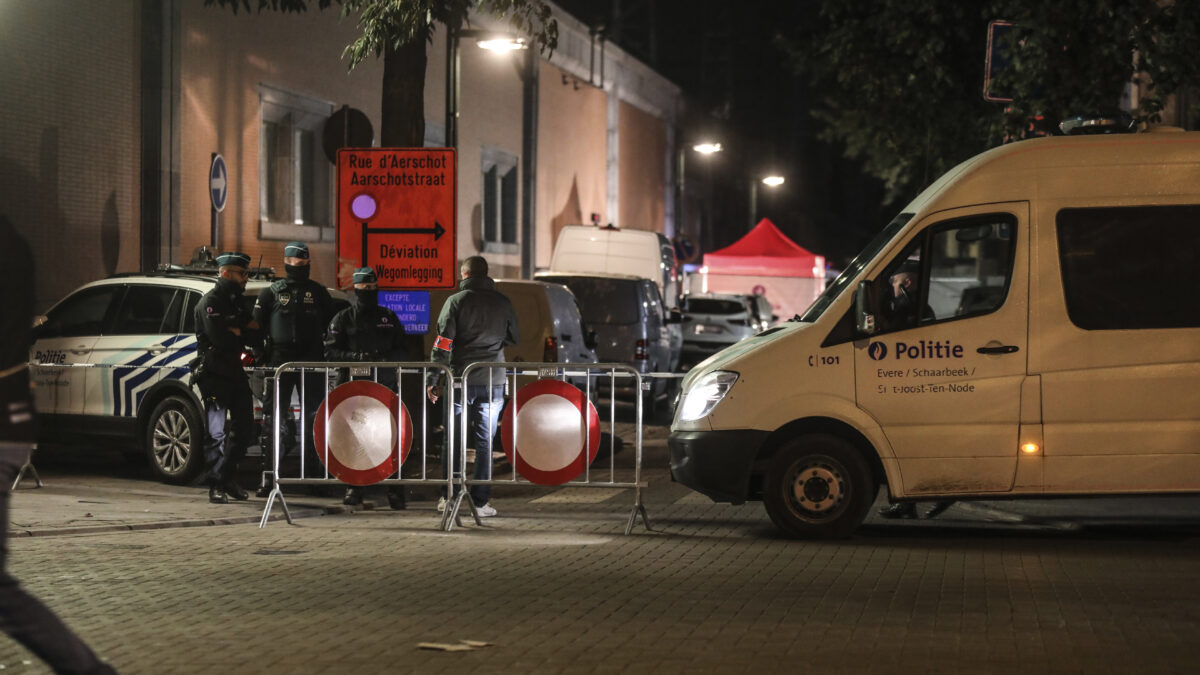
{"x": 590, "y": 339}
{"x": 674, "y": 316}
{"x": 865, "y": 307}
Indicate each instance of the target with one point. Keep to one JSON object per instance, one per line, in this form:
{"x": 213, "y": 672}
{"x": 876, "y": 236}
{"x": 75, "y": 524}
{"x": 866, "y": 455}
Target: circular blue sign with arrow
{"x": 218, "y": 182}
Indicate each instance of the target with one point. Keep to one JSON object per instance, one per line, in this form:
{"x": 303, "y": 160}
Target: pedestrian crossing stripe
{"x": 579, "y": 496}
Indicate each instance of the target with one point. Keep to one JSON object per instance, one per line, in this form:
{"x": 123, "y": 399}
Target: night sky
{"x": 740, "y": 89}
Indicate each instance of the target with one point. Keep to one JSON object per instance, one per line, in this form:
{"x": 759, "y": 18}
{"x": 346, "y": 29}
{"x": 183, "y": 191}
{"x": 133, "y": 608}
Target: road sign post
{"x": 397, "y": 213}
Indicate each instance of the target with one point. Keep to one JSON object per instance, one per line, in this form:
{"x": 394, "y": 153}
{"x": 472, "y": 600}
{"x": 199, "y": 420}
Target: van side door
{"x": 944, "y": 374}
{"x": 1117, "y": 348}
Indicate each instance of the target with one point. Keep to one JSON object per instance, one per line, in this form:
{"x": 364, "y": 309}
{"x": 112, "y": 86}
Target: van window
{"x": 955, "y": 269}
{"x": 604, "y": 301}
{"x": 865, "y": 257}
{"x": 712, "y": 306}
{"x": 1131, "y": 267}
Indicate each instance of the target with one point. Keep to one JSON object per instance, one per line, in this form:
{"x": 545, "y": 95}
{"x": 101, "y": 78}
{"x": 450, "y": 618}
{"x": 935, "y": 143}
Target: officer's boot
{"x": 353, "y": 496}
{"x": 395, "y": 497}
{"x": 216, "y": 495}
{"x": 232, "y": 489}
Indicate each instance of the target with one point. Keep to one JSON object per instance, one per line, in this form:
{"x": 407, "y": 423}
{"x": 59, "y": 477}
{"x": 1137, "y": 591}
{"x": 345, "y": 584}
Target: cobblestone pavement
{"x": 554, "y": 586}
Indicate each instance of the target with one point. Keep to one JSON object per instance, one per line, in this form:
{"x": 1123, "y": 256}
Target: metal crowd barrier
{"x": 358, "y": 370}
{"x": 585, "y": 377}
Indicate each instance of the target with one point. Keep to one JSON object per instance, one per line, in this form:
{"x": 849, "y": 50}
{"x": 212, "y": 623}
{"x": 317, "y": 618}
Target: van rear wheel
{"x": 818, "y": 487}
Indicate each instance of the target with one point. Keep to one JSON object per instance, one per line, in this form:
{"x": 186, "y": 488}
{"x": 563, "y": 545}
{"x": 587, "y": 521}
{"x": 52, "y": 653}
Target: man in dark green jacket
{"x": 475, "y": 325}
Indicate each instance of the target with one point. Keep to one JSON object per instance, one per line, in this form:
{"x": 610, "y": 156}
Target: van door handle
{"x": 1002, "y": 349}
{"x": 79, "y": 349}
{"x": 156, "y": 349}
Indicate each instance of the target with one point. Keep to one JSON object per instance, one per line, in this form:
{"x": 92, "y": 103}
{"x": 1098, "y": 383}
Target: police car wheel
{"x": 174, "y": 440}
{"x": 818, "y": 486}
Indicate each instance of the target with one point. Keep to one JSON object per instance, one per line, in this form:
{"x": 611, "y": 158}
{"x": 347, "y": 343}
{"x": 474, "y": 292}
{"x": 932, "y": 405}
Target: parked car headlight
{"x": 705, "y": 393}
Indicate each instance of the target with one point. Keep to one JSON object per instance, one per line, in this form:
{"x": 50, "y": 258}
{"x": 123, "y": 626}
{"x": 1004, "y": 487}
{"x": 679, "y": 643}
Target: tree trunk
{"x": 403, "y": 111}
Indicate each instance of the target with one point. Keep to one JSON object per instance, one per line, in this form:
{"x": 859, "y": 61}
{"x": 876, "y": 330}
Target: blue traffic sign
{"x": 218, "y": 182}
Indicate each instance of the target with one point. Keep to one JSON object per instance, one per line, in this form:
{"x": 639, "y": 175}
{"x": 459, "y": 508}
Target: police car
{"x": 109, "y": 361}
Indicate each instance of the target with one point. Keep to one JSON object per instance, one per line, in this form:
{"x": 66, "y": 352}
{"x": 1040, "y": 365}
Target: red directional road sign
{"x": 365, "y": 425}
{"x": 553, "y": 433}
{"x": 396, "y": 212}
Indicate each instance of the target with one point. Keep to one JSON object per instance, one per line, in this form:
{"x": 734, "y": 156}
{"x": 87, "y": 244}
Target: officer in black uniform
{"x": 293, "y": 312}
{"x": 223, "y": 329}
{"x": 367, "y": 331}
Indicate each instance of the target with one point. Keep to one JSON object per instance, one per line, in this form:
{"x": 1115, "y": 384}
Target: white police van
{"x": 1055, "y": 349}
{"x": 109, "y": 361}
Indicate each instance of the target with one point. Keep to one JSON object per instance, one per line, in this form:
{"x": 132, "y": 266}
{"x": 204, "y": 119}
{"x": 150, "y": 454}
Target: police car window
{"x": 174, "y": 310}
{"x": 189, "y": 312}
{"x": 970, "y": 263}
{"x": 142, "y": 311}
{"x": 81, "y": 314}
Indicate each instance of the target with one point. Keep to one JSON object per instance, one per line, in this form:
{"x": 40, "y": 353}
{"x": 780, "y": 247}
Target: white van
{"x": 548, "y": 317}
{"x": 588, "y": 249}
{"x": 1052, "y": 348}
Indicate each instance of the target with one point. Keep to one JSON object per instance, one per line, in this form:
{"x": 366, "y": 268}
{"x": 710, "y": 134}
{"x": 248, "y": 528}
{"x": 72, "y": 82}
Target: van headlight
{"x": 705, "y": 393}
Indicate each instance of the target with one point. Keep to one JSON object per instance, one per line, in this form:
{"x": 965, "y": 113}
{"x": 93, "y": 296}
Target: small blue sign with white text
{"x": 412, "y": 308}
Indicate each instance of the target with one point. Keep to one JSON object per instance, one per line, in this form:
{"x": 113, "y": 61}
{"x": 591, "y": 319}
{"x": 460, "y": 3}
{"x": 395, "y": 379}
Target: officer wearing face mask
{"x": 293, "y": 312}
{"x": 366, "y": 331}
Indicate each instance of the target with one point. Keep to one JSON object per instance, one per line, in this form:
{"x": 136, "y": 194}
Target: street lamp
{"x": 707, "y": 148}
{"x": 501, "y": 42}
{"x": 772, "y": 181}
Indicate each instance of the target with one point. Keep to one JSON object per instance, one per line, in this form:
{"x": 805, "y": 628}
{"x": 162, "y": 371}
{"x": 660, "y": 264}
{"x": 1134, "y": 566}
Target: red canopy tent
{"x": 765, "y": 251}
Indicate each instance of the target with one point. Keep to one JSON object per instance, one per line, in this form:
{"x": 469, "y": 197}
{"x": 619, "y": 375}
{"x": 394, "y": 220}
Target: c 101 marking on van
{"x": 814, "y": 361}
{"x": 923, "y": 349}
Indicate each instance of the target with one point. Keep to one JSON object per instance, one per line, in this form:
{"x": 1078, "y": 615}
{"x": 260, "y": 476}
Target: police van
{"x": 1053, "y": 347}
{"x": 109, "y": 361}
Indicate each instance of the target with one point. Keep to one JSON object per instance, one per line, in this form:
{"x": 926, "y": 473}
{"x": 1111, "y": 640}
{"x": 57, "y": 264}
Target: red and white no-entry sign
{"x": 554, "y": 434}
{"x": 365, "y": 424}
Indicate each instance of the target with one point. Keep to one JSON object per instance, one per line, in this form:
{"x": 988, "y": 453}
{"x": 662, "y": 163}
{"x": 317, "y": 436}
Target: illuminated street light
{"x": 502, "y": 44}
{"x": 772, "y": 181}
{"x": 707, "y": 148}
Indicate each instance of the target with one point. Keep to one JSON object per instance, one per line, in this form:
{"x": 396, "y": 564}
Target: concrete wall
{"x": 69, "y": 149}
{"x": 642, "y": 169}
{"x": 571, "y": 151}
{"x": 224, "y": 60}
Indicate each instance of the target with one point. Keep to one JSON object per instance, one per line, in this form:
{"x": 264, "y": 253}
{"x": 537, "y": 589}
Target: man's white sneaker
{"x": 441, "y": 504}
{"x": 485, "y": 511}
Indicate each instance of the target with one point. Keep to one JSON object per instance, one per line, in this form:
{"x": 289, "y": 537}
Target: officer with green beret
{"x": 223, "y": 330}
{"x": 367, "y": 331}
{"x": 294, "y": 312}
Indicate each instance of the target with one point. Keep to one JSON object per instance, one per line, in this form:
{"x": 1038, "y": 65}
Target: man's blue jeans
{"x": 483, "y": 408}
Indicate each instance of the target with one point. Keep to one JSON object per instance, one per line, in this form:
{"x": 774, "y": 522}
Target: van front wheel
{"x": 818, "y": 487}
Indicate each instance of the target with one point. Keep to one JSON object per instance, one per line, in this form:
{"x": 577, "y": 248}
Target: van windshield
{"x": 604, "y": 301}
{"x": 852, "y": 270}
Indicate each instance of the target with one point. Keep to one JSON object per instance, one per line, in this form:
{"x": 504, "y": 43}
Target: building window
{"x": 499, "y": 201}
{"x": 295, "y": 178}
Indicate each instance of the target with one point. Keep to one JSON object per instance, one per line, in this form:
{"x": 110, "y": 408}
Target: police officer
{"x": 367, "y": 331}
{"x": 223, "y": 329}
{"x": 475, "y": 325}
{"x": 293, "y": 312}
